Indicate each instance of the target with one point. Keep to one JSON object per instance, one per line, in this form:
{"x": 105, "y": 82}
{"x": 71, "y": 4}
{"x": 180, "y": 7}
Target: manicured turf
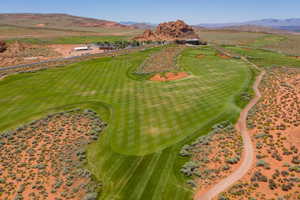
{"x": 223, "y": 37}
{"x": 137, "y": 156}
{"x": 265, "y": 58}
{"x": 267, "y": 40}
{"x": 70, "y": 39}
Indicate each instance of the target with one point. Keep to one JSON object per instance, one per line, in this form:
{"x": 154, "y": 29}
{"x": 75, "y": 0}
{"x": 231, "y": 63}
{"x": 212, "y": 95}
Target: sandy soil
{"x": 21, "y": 53}
{"x": 200, "y": 56}
{"x": 40, "y": 25}
{"x": 248, "y": 152}
{"x": 43, "y": 160}
{"x": 275, "y": 126}
{"x": 169, "y": 76}
{"x": 218, "y": 157}
{"x": 67, "y": 50}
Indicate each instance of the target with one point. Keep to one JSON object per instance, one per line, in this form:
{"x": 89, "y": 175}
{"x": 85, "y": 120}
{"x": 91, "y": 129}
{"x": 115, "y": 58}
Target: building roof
{"x": 81, "y": 48}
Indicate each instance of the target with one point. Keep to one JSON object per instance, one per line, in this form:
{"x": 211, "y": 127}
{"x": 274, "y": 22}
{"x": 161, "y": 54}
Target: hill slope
{"x": 61, "y": 21}
{"x": 255, "y": 29}
{"x": 292, "y": 24}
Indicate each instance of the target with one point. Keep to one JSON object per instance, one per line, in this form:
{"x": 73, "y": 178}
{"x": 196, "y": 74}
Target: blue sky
{"x": 155, "y": 11}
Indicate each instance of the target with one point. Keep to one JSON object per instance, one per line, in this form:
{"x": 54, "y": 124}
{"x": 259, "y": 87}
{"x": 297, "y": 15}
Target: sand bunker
{"x": 224, "y": 56}
{"x": 200, "y": 56}
{"x": 40, "y": 25}
{"x": 170, "y": 76}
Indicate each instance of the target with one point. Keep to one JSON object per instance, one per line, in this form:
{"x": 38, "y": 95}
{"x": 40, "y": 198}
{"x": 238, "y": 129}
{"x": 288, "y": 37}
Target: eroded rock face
{"x": 169, "y": 31}
{"x": 3, "y": 46}
{"x": 176, "y": 29}
{"x": 149, "y": 35}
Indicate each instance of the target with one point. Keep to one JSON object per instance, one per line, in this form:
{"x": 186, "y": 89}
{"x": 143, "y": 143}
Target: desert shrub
{"x": 262, "y": 163}
{"x": 261, "y": 135}
{"x": 286, "y": 164}
{"x": 90, "y": 196}
{"x": 191, "y": 183}
{"x": 185, "y": 151}
{"x": 232, "y": 161}
{"x": 223, "y": 198}
{"x": 237, "y": 190}
{"x": 286, "y": 187}
{"x": 272, "y": 184}
{"x": 259, "y": 156}
{"x": 226, "y": 167}
{"x": 259, "y": 145}
{"x": 296, "y": 160}
{"x": 258, "y": 176}
{"x": 188, "y": 168}
{"x": 276, "y": 156}
{"x": 220, "y": 126}
{"x": 295, "y": 180}
{"x": 294, "y": 149}
{"x": 294, "y": 169}
{"x": 284, "y": 173}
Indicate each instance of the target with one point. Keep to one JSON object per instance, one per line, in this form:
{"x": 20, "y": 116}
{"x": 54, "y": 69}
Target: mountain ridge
{"x": 290, "y": 24}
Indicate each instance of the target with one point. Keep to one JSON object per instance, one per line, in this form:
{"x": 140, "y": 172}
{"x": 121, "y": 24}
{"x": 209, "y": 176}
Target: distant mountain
{"x": 140, "y": 25}
{"x": 254, "y": 28}
{"x": 292, "y": 24}
{"x": 60, "y": 21}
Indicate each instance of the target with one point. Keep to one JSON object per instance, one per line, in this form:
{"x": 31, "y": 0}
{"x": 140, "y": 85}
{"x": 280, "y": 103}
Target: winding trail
{"x": 248, "y": 154}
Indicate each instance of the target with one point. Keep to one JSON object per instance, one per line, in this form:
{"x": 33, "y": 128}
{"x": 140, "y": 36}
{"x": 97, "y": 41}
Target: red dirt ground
{"x": 247, "y": 155}
{"x": 43, "y": 160}
{"x": 169, "y": 76}
{"x": 223, "y": 145}
{"x": 275, "y": 125}
{"x": 67, "y": 50}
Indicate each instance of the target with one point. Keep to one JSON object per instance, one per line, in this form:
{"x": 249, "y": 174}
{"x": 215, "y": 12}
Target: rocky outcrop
{"x": 3, "y": 46}
{"x": 169, "y": 31}
{"x": 149, "y": 35}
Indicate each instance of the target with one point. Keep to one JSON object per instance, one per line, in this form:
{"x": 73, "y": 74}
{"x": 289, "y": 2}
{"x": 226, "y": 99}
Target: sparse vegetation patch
{"x": 162, "y": 61}
{"x": 213, "y": 156}
{"x": 274, "y": 122}
{"x": 45, "y": 159}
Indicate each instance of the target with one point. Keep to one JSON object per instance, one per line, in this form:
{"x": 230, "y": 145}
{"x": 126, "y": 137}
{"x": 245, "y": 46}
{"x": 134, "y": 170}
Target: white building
{"x": 85, "y": 48}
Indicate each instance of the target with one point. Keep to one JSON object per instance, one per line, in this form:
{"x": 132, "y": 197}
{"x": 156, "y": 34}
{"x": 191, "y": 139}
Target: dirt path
{"x": 248, "y": 154}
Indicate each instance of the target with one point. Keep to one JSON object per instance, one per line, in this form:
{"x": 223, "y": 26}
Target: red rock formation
{"x": 169, "y": 31}
{"x": 3, "y": 46}
{"x": 148, "y": 35}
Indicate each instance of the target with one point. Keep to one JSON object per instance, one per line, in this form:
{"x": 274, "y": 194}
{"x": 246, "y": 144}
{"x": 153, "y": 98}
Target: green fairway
{"x": 267, "y": 40}
{"x": 265, "y": 58}
{"x": 137, "y": 156}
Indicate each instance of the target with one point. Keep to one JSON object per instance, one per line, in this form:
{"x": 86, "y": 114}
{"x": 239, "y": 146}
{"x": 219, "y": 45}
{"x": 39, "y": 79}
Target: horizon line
{"x": 147, "y": 22}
